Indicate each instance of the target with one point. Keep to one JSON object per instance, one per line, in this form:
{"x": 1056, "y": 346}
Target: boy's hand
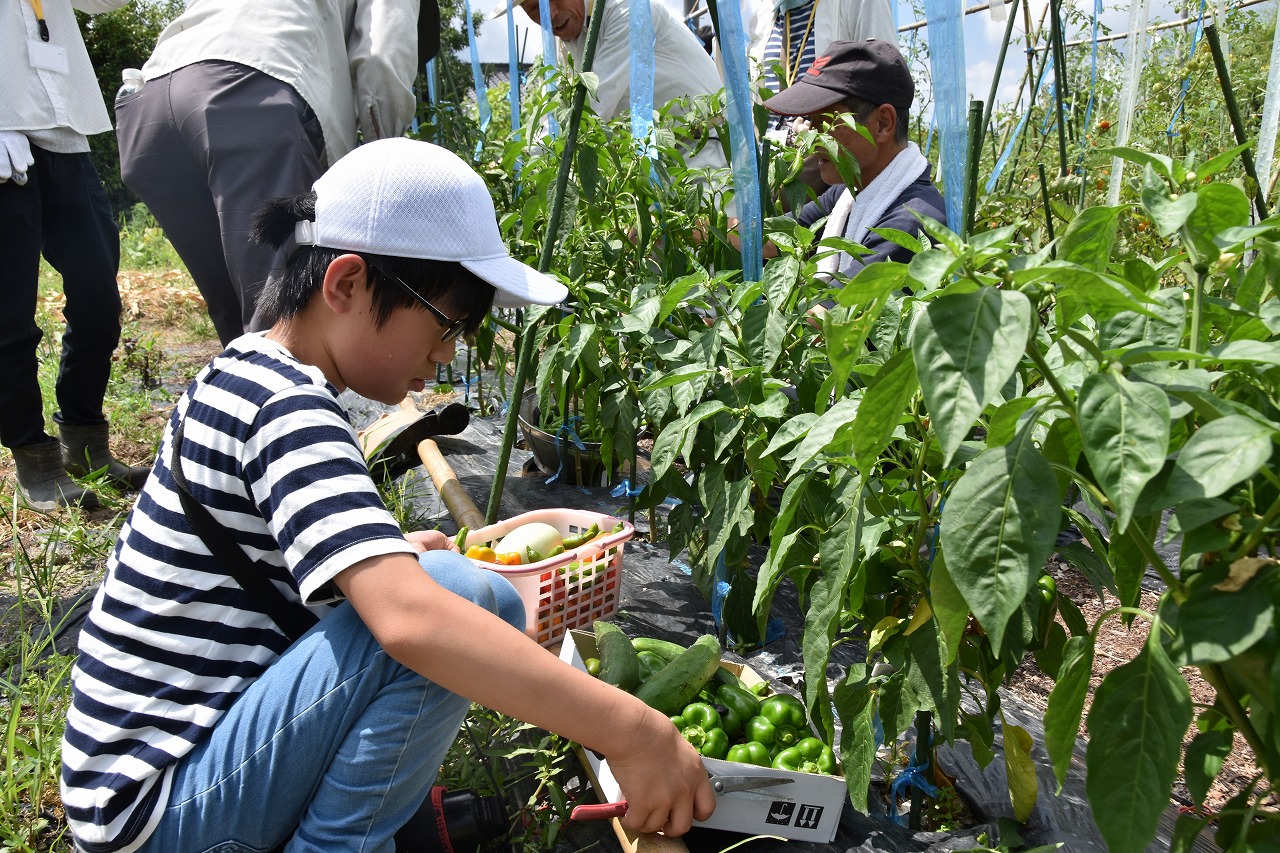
{"x": 430, "y": 540}
{"x": 662, "y": 778}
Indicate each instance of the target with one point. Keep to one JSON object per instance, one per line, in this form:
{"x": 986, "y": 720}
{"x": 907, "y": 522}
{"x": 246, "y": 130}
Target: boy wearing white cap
{"x": 195, "y": 724}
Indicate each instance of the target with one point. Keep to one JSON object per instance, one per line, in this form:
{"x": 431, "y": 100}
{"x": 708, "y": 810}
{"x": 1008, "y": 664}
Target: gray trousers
{"x": 203, "y": 147}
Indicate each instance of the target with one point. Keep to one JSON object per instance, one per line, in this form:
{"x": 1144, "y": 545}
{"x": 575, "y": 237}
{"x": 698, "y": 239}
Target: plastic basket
{"x": 557, "y": 594}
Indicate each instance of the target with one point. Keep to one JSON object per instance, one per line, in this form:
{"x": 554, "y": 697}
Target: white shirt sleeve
{"x": 383, "y": 52}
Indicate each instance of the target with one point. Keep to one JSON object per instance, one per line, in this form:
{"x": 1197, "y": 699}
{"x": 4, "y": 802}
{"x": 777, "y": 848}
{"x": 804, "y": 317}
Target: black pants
{"x": 62, "y": 213}
{"x": 203, "y": 147}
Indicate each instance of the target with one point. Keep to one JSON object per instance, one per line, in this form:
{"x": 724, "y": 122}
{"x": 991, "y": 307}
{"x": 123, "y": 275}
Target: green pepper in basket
{"x": 761, "y": 731}
{"x": 729, "y": 719}
{"x": 740, "y": 701}
{"x": 750, "y": 752}
{"x": 649, "y": 664}
{"x": 789, "y": 719}
{"x": 700, "y": 725}
{"x": 808, "y": 755}
{"x": 582, "y": 538}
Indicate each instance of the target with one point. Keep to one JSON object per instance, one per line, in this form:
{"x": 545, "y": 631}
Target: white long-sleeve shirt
{"x": 352, "y": 61}
{"x": 834, "y": 20}
{"x": 681, "y": 66}
{"x": 55, "y": 109}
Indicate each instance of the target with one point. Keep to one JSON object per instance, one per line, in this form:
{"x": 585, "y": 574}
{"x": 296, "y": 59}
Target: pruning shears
{"x": 745, "y": 785}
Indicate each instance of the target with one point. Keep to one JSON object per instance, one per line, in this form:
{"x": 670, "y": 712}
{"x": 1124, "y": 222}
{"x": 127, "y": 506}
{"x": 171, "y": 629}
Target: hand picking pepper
{"x": 700, "y": 725}
{"x": 787, "y": 714}
{"x": 750, "y": 752}
{"x": 808, "y": 755}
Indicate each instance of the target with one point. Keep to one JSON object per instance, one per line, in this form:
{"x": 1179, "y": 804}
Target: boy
{"x": 195, "y": 725}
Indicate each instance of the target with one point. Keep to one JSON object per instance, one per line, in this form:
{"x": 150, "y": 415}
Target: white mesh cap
{"x": 413, "y": 199}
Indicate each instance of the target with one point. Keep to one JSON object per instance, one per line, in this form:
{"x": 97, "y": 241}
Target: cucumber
{"x": 619, "y": 664}
{"x": 724, "y": 676}
{"x": 677, "y": 683}
{"x": 662, "y": 648}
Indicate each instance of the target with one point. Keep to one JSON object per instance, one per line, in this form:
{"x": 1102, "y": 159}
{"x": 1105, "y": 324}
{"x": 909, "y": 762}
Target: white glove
{"x": 15, "y": 157}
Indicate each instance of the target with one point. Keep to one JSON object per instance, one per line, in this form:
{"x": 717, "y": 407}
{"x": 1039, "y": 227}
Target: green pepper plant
{"x": 910, "y": 464}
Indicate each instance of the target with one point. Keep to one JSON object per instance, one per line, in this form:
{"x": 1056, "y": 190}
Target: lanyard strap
{"x": 791, "y": 67}
{"x": 38, "y": 7}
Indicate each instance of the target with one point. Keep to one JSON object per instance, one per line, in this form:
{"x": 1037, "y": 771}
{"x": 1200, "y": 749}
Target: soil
{"x": 159, "y": 306}
{"x": 1118, "y": 644}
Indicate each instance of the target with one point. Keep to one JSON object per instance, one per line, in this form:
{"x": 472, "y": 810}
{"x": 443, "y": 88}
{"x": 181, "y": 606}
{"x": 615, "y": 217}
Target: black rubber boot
{"x": 43, "y": 483}
{"x": 85, "y": 450}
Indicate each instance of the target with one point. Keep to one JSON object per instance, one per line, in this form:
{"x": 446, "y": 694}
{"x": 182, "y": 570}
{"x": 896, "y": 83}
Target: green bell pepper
{"x": 789, "y": 719}
{"x": 649, "y": 664}
{"x": 761, "y": 731}
{"x": 808, "y": 755}
{"x": 738, "y": 700}
{"x": 749, "y": 753}
{"x": 729, "y": 720}
{"x": 700, "y": 725}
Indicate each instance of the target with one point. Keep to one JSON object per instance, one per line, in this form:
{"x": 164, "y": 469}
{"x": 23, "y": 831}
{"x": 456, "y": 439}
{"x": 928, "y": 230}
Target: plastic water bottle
{"x": 132, "y": 83}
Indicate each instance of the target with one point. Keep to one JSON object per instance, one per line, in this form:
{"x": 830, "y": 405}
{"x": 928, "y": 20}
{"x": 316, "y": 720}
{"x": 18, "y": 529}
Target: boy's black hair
{"x": 447, "y": 284}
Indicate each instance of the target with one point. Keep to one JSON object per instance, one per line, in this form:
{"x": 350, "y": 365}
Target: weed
{"x": 143, "y": 244}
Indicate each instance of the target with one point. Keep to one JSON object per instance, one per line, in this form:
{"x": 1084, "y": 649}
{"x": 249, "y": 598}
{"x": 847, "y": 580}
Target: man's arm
{"x": 473, "y": 653}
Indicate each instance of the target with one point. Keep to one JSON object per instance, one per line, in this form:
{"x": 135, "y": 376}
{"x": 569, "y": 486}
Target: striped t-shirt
{"x": 792, "y": 43}
{"x": 172, "y": 639}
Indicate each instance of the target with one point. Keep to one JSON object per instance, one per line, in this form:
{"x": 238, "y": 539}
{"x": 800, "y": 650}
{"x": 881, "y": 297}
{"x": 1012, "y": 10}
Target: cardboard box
{"x": 807, "y": 809}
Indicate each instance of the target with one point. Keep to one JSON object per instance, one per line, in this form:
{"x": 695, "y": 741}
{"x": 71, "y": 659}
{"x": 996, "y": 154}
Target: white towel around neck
{"x": 851, "y": 221}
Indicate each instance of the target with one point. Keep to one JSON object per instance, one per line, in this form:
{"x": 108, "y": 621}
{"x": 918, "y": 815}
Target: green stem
{"x": 1149, "y": 551}
{"x": 1251, "y": 541}
{"x": 1213, "y": 674}
{"x": 525, "y": 357}
{"x": 1197, "y": 297}
{"x": 1033, "y": 352}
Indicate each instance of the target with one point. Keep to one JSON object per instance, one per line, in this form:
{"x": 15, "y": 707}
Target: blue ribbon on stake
{"x": 1022, "y": 123}
{"x": 477, "y": 79}
{"x": 431, "y": 98}
{"x": 1186, "y": 82}
{"x": 947, "y": 70}
{"x": 742, "y": 136}
{"x": 640, "y": 30}
{"x": 513, "y": 68}
{"x": 549, "y": 59}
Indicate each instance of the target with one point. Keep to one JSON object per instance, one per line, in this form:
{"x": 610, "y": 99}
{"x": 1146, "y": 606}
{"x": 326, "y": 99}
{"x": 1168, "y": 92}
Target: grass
{"x": 51, "y": 561}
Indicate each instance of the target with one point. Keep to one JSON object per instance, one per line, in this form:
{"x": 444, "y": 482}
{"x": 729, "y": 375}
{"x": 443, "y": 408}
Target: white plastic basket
{"x": 569, "y": 590}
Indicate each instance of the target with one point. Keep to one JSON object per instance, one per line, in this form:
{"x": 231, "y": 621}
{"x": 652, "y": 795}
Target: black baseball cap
{"x": 872, "y": 70}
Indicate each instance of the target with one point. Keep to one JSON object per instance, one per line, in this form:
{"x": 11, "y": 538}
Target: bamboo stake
{"x": 527, "y": 342}
{"x": 1237, "y": 124}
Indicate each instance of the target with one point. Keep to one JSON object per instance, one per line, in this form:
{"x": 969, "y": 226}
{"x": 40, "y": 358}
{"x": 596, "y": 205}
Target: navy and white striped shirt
{"x": 792, "y": 34}
{"x": 172, "y": 639}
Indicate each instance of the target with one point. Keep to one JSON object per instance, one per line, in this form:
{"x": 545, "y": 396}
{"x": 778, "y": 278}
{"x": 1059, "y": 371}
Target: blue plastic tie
{"x": 911, "y": 776}
{"x": 624, "y": 488}
{"x": 567, "y": 428}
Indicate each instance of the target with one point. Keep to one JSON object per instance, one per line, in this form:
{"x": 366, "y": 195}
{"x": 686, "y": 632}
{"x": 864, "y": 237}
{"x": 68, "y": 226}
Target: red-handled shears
{"x": 719, "y": 784}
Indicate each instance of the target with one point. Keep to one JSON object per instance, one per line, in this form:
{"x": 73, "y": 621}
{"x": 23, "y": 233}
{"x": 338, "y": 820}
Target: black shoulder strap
{"x": 291, "y": 618}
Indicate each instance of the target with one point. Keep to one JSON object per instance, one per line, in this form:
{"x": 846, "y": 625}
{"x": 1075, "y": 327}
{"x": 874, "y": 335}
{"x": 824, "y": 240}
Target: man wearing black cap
{"x": 869, "y": 83}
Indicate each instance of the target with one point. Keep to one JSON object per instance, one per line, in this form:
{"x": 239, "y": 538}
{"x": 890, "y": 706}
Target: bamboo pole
{"x": 527, "y": 338}
{"x": 1237, "y": 123}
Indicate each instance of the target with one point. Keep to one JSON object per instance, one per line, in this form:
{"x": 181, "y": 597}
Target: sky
{"x": 983, "y": 34}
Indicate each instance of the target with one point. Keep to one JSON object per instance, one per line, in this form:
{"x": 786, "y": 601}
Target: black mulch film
{"x": 659, "y": 599}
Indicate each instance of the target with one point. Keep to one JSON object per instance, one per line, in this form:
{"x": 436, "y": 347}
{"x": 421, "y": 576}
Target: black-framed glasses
{"x": 453, "y": 329}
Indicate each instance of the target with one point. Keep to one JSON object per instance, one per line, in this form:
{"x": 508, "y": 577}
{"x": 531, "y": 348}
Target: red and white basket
{"x": 569, "y": 590}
